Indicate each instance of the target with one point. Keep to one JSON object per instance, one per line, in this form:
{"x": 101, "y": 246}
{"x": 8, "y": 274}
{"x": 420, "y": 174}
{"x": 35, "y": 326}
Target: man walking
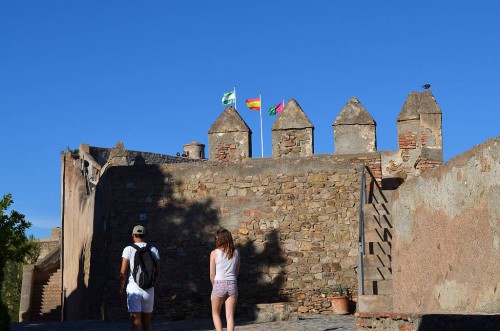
{"x": 140, "y": 294}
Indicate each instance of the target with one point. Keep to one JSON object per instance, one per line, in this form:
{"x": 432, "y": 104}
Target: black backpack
{"x": 144, "y": 272}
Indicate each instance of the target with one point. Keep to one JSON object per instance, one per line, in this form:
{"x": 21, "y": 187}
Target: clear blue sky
{"x": 152, "y": 74}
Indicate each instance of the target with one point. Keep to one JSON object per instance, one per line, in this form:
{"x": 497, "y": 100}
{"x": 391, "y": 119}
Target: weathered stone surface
{"x": 285, "y": 218}
{"x": 354, "y": 130}
{"x": 229, "y": 137}
{"x": 447, "y": 236}
{"x": 292, "y": 132}
{"x": 118, "y": 155}
{"x": 354, "y": 113}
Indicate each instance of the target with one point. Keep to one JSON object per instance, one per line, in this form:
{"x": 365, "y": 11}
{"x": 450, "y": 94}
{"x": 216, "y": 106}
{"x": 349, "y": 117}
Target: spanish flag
{"x": 253, "y": 104}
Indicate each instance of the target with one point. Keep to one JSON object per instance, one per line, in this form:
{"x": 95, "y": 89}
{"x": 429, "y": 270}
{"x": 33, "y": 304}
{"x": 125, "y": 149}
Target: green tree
{"x": 10, "y": 292}
{"x": 14, "y": 246}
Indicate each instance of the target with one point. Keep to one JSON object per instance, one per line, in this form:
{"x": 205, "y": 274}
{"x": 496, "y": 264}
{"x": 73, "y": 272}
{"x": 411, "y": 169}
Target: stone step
{"x": 377, "y": 209}
{"x": 378, "y": 287}
{"x": 376, "y": 195}
{"x": 378, "y": 248}
{"x": 53, "y": 315}
{"x": 377, "y": 273}
{"x": 378, "y": 235}
{"x": 378, "y": 222}
{"x": 375, "y": 303}
{"x": 375, "y": 260}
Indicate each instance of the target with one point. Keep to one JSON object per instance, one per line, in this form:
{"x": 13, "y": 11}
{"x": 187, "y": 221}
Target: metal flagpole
{"x": 235, "y": 98}
{"x": 261, "y": 138}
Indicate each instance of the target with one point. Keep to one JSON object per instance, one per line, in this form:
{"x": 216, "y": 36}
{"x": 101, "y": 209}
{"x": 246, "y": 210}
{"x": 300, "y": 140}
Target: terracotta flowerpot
{"x": 340, "y": 305}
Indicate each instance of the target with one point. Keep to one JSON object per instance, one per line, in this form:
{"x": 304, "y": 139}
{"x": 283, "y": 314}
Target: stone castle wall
{"x": 447, "y": 236}
{"x": 295, "y": 223}
{"x": 294, "y": 216}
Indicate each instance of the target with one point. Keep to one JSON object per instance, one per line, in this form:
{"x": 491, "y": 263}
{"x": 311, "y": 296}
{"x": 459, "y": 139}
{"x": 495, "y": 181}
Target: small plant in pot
{"x": 340, "y": 300}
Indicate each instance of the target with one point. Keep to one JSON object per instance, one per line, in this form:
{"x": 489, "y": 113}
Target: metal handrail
{"x": 361, "y": 238}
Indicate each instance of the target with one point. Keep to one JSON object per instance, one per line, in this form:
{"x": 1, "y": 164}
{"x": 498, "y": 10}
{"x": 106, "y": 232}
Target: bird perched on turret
{"x": 426, "y": 86}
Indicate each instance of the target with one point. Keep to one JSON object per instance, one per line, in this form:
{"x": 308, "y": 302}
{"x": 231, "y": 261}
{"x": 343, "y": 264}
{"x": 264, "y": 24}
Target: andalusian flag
{"x": 276, "y": 109}
{"x": 253, "y": 104}
{"x": 229, "y": 97}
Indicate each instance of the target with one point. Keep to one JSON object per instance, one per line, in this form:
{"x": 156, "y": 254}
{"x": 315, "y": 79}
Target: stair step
{"x": 373, "y": 260}
{"x": 379, "y": 248}
{"x": 378, "y": 235}
{"x": 377, "y": 273}
{"x": 378, "y": 222}
{"x": 377, "y": 196}
{"x": 378, "y": 287}
{"x": 375, "y": 303}
{"x": 377, "y": 209}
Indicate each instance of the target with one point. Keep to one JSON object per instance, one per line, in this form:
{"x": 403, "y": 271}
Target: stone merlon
{"x": 229, "y": 121}
{"x": 354, "y": 130}
{"x": 354, "y": 113}
{"x": 418, "y": 103}
{"x": 292, "y": 117}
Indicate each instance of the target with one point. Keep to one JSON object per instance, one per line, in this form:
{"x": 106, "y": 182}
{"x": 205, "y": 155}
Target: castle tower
{"x": 420, "y": 130}
{"x": 229, "y": 138}
{"x": 292, "y": 132}
{"x": 194, "y": 150}
{"x": 354, "y": 130}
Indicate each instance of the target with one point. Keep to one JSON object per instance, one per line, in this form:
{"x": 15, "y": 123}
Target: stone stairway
{"x": 377, "y": 259}
{"x": 46, "y": 297}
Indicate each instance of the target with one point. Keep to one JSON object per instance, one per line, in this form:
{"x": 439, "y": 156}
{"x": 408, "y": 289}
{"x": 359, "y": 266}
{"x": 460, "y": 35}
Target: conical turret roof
{"x": 229, "y": 121}
{"x": 418, "y": 103}
{"x": 354, "y": 113}
{"x": 292, "y": 117}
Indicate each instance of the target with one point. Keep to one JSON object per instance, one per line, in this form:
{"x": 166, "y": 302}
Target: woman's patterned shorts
{"x": 224, "y": 288}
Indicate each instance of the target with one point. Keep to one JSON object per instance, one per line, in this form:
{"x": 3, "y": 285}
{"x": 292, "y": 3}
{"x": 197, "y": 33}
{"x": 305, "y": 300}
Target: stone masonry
{"x": 296, "y": 228}
{"x": 292, "y": 132}
{"x": 294, "y": 216}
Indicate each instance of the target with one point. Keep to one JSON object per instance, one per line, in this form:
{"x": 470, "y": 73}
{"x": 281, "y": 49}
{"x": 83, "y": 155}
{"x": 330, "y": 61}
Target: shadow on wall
{"x": 449, "y": 322}
{"x": 181, "y": 222}
{"x": 261, "y": 277}
{"x": 72, "y": 303}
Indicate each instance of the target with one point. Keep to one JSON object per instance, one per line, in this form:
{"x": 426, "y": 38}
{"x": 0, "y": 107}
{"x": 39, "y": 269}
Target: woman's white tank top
{"x": 225, "y": 269}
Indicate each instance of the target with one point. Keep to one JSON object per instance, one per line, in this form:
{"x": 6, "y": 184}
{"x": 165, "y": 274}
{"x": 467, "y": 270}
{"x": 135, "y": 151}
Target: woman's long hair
{"x": 224, "y": 242}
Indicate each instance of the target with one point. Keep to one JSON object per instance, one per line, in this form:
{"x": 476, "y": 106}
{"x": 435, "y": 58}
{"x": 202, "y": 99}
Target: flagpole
{"x": 235, "y": 98}
{"x": 261, "y": 137}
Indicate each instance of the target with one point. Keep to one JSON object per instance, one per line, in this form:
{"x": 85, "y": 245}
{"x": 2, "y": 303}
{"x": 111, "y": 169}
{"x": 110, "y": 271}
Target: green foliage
{"x": 75, "y": 151}
{"x": 13, "y": 242}
{"x": 340, "y": 290}
{"x": 14, "y": 247}
{"x": 343, "y": 291}
{"x": 10, "y": 294}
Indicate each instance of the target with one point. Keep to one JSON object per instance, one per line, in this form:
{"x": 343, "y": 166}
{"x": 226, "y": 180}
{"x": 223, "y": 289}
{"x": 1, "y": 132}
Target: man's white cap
{"x": 139, "y": 229}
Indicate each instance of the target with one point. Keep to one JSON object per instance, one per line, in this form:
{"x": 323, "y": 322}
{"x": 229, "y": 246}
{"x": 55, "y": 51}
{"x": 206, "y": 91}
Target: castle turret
{"x": 420, "y": 130}
{"x": 194, "y": 150}
{"x": 292, "y": 132}
{"x": 229, "y": 138}
{"x": 354, "y": 130}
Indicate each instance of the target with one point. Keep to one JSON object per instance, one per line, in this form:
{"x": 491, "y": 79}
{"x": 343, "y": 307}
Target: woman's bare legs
{"x": 230, "y": 307}
{"x": 216, "y": 307}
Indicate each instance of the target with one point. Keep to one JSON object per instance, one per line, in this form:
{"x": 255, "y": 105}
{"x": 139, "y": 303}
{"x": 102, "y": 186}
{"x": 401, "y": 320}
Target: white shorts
{"x": 139, "y": 300}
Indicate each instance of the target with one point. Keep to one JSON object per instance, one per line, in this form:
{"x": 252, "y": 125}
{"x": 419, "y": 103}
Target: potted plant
{"x": 340, "y": 301}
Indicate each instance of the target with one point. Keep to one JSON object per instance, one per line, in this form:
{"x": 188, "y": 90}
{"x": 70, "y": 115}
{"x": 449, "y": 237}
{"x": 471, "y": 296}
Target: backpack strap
{"x": 136, "y": 247}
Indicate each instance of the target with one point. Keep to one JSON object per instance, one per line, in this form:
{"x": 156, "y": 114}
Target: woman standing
{"x": 224, "y": 269}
